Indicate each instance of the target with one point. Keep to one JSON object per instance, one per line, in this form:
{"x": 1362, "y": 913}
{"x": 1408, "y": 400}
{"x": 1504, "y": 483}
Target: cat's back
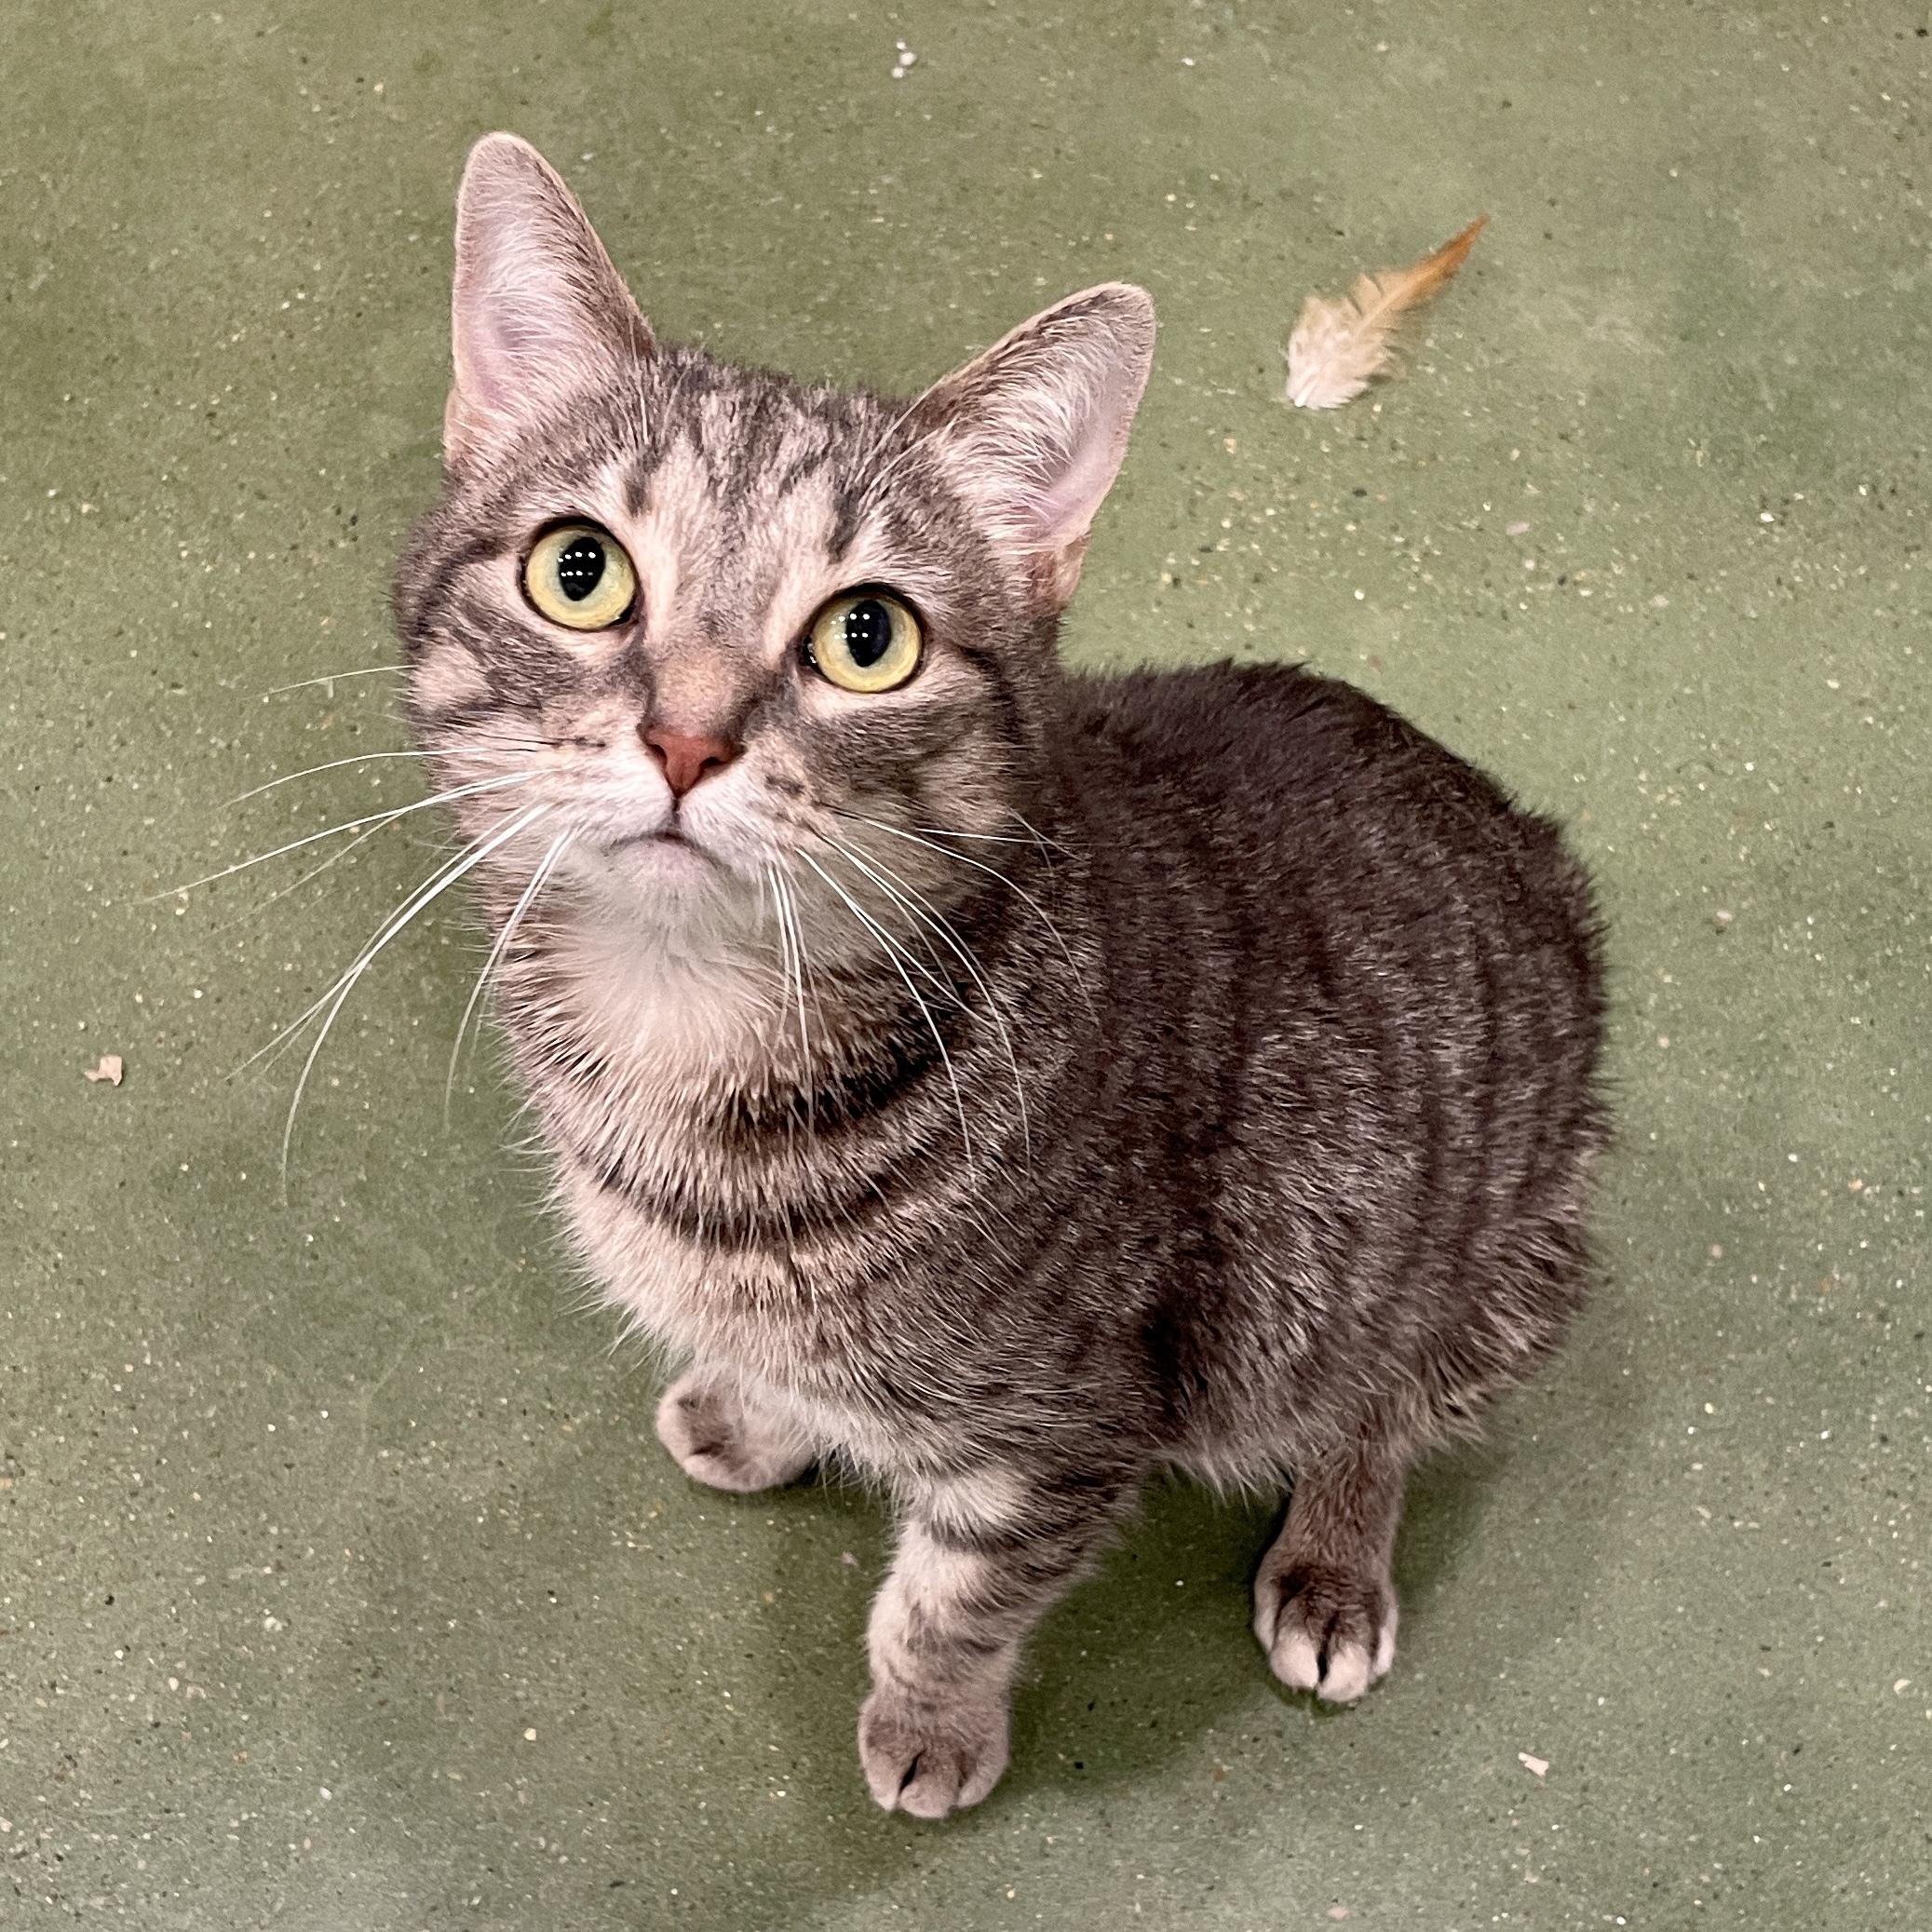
{"x": 1361, "y": 992}
{"x": 1305, "y": 896}
{"x": 1268, "y": 785}
{"x": 1232, "y": 751}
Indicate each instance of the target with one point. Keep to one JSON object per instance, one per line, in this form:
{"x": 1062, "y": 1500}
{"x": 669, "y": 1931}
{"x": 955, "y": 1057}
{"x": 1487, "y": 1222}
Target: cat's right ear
{"x": 537, "y": 313}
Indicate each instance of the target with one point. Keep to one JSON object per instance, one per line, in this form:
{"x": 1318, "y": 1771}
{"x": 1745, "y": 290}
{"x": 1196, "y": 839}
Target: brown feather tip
{"x": 1342, "y": 343}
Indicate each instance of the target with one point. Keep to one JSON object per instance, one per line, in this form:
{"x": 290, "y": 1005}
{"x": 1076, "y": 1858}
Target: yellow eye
{"x": 578, "y": 575}
{"x": 867, "y": 642}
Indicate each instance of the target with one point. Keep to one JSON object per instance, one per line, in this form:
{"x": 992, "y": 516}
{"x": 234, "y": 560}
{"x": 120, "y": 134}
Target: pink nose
{"x": 684, "y": 759}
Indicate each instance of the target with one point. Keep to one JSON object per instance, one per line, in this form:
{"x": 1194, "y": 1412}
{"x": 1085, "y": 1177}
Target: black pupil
{"x": 580, "y": 567}
{"x": 868, "y": 632}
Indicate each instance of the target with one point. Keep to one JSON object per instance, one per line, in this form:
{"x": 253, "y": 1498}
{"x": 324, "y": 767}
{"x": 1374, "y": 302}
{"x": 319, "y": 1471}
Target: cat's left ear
{"x": 537, "y": 312}
{"x": 1033, "y": 431}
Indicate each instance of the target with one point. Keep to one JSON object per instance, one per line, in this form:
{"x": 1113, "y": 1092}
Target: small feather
{"x": 1342, "y": 343}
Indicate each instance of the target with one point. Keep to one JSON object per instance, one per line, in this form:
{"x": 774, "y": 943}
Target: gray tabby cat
{"x": 999, "y": 1083}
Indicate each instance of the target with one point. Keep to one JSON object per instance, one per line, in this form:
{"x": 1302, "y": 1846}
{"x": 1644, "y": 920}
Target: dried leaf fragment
{"x": 110, "y": 1068}
{"x": 1535, "y": 1767}
{"x": 1342, "y": 343}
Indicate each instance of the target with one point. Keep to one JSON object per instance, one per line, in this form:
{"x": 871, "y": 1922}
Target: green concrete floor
{"x": 342, "y": 1584}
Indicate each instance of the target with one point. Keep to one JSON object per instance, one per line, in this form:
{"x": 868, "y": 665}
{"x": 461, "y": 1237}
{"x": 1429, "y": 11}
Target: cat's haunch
{"x": 1001, "y": 1083}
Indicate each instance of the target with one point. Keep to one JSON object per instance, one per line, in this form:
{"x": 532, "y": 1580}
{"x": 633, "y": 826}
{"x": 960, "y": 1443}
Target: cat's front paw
{"x": 720, "y": 1438}
{"x": 1332, "y": 1634}
{"x": 927, "y": 1756}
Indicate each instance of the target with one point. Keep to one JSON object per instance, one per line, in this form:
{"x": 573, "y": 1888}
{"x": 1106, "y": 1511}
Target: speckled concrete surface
{"x": 342, "y": 1584}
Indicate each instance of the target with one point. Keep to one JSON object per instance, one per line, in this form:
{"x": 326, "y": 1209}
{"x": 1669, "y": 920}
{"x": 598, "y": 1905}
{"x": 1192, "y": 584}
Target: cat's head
{"x": 712, "y": 623}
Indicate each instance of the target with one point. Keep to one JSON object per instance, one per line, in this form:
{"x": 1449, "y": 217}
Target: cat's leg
{"x": 731, "y": 1434}
{"x": 1324, "y": 1601}
{"x": 979, "y": 1561}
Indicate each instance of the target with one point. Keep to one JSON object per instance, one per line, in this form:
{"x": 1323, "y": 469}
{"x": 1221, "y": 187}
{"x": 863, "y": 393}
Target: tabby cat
{"x": 999, "y": 1083}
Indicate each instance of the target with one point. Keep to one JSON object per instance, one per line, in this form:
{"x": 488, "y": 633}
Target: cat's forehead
{"x": 736, "y": 493}
{"x": 751, "y": 434}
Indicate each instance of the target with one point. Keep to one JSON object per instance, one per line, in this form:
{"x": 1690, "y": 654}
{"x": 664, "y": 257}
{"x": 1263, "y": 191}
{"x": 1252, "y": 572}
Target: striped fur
{"x": 1009, "y": 1084}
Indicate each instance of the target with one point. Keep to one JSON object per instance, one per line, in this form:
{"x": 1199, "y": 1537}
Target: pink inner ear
{"x": 1037, "y": 425}
{"x": 537, "y": 310}
{"x": 1091, "y": 457}
{"x": 520, "y": 337}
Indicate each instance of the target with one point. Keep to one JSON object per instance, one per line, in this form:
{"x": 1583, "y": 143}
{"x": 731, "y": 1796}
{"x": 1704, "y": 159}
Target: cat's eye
{"x": 579, "y": 577}
{"x": 865, "y": 641}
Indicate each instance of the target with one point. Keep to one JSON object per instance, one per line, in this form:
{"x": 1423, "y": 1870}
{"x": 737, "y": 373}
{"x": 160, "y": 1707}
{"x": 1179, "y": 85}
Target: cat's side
{"x": 1002, "y": 1083}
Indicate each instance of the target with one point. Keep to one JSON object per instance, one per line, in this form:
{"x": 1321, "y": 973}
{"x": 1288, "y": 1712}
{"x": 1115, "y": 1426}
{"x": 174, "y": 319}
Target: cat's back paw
{"x": 1334, "y": 1635}
{"x": 727, "y": 1439}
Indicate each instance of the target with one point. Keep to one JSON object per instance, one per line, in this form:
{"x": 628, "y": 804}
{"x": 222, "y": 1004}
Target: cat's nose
{"x": 684, "y": 757}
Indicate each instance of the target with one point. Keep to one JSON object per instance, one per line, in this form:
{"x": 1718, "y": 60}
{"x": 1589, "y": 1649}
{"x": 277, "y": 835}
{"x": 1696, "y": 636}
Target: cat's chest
{"x": 630, "y": 1051}
{"x": 635, "y": 1064}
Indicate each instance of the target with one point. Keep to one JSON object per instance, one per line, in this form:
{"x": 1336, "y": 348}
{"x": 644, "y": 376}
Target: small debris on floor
{"x": 110, "y": 1068}
{"x": 846, "y": 1556}
{"x": 1535, "y": 1767}
{"x": 1338, "y": 1912}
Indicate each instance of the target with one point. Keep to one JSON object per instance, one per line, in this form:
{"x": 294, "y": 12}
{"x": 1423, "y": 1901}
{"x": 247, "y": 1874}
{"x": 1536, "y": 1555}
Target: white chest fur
{"x": 665, "y": 1031}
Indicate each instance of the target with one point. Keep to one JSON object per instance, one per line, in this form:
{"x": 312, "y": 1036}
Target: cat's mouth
{"x": 665, "y": 835}
{"x": 663, "y": 853}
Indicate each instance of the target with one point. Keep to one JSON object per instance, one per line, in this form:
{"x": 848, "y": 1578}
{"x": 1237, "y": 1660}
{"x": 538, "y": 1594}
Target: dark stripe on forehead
{"x": 804, "y": 466}
{"x": 848, "y": 507}
{"x": 759, "y": 421}
{"x": 638, "y": 476}
{"x": 676, "y": 382}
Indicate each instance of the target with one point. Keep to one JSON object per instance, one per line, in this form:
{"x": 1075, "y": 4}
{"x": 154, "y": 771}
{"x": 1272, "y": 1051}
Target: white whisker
{"x": 373, "y": 670}
{"x": 1018, "y": 892}
{"x": 900, "y": 959}
{"x": 377, "y": 818}
{"x": 1039, "y": 837}
{"x": 984, "y": 838}
{"x": 793, "y": 976}
{"x": 334, "y": 765}
{"x": 903, "y": 894}
{"x": 542, "y": 872}
{"x": 338, "y": 994}
{"x": 791, "y": 946}
{"x": 301, "y": 1019}
{"x": 315, "y": 871}
{"x": 994, "y": 838}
